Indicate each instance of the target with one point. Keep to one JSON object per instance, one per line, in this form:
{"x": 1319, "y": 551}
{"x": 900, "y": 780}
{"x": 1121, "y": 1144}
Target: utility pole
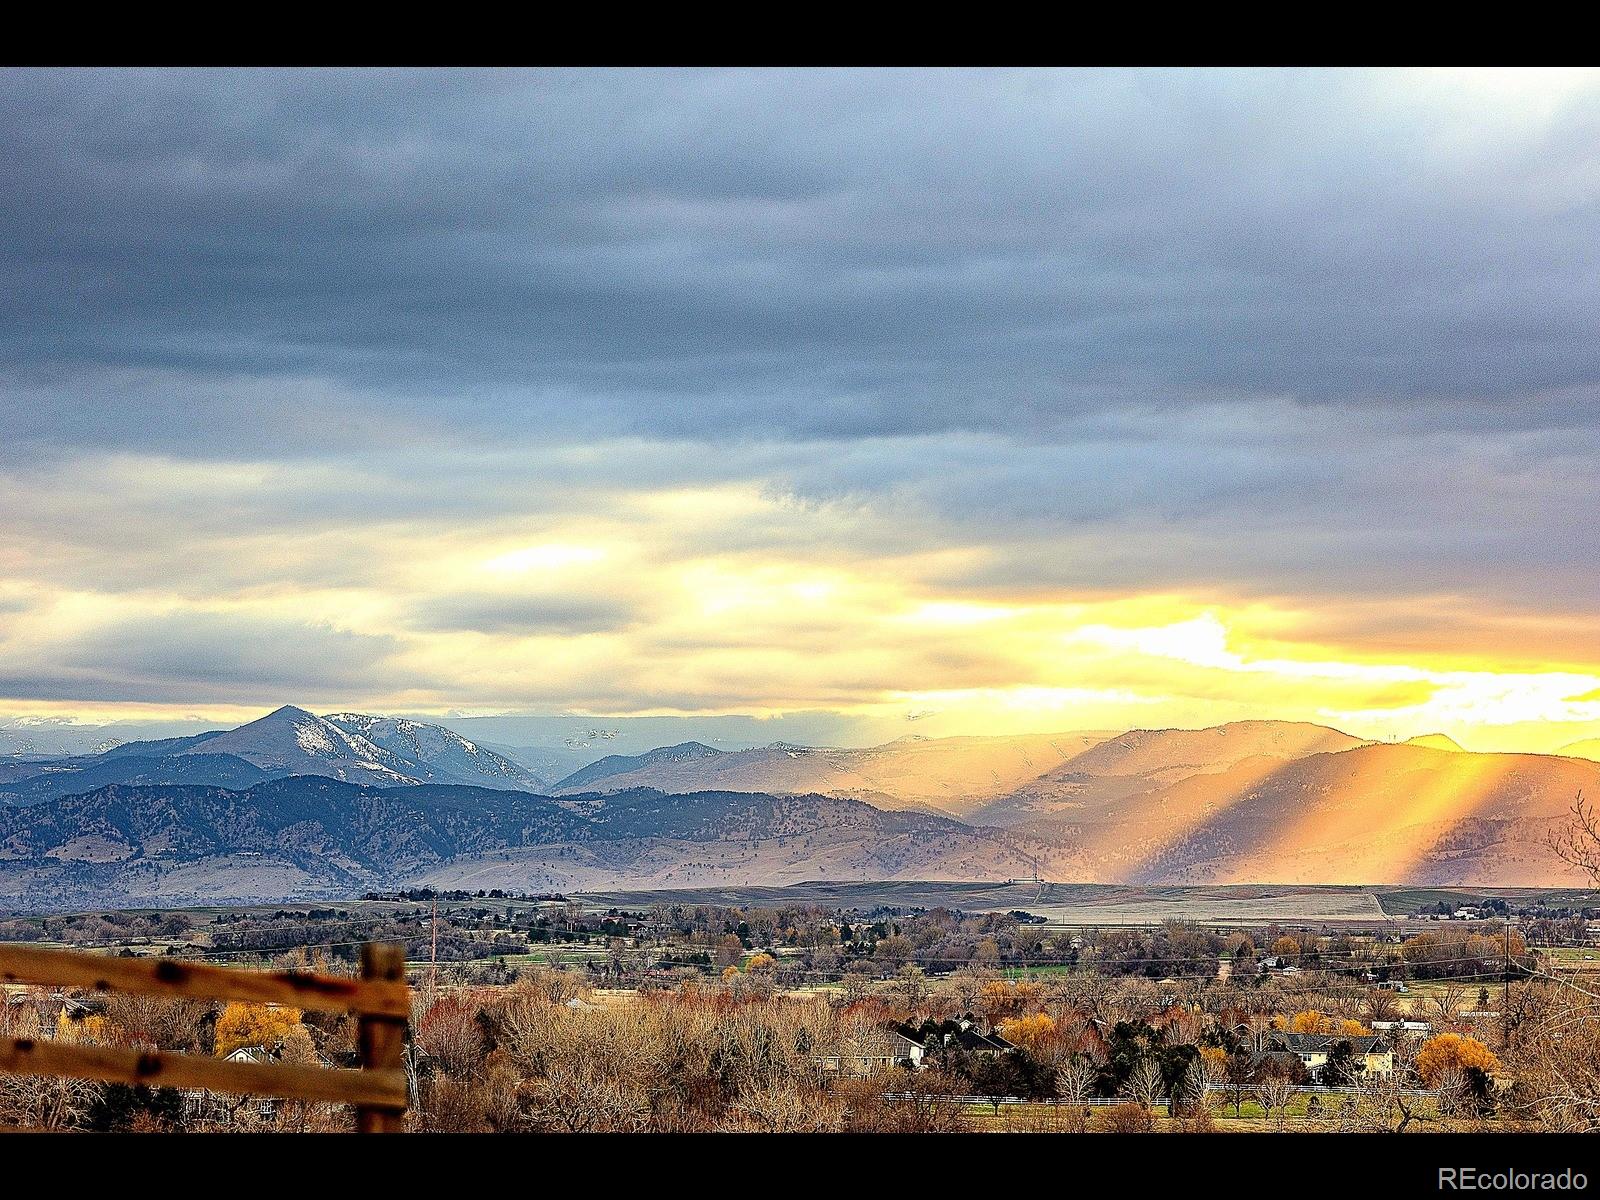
{"x": 1506, "y": 986}
{"x": 433, "y": 965}
{"x": 1505, "y": 989}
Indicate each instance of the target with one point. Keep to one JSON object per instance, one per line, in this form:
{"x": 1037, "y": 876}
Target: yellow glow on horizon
{"x": 732, "y": 600}
{"x": 1459, "y": 698}
{"x": 1087, "y": 672}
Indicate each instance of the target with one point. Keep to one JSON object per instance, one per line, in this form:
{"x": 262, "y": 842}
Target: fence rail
{"x": 381, "y": 1000}
{"x": 175, "y": 977}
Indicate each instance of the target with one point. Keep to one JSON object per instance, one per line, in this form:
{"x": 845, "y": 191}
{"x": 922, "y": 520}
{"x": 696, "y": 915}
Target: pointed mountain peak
{"x": 682, "y": 748}
{"x": 287, "y": 713}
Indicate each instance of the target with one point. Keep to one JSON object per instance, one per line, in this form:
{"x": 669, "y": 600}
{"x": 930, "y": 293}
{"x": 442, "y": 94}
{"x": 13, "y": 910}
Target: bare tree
{"x": 912, "y": 984}
{"x": 1276, "y": 1092}
{"x": 450, "y": 1034}
{"x": 1144, "y": 1082}
{"x": 1448, "y": 1001}
{"x": 1451, "y": 1086}
{"x": 1378, "y": 1004}
{"x": 44, "y": 1101}
{"x": 1577, "y": 842}
{"x": 786, "y": 1110}
{"x": 1554, "y": 1057}
{"x": 1381, "y": 1101}
{"x": 1206, "y": 1074}
{"x": 450, "y": 1105}
{"x": 165, "y": 1022}
{"x": 1075, "y": 1082}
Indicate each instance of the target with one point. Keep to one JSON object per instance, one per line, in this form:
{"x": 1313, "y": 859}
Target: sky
{"x": 857, "y": 402}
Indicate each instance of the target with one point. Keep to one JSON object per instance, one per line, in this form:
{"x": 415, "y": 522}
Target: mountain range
{"x": 296, "y": 804}
{"x": 313, "y": 835}
{"x": 380, "y": 751}
{"x": 951, "y": 775}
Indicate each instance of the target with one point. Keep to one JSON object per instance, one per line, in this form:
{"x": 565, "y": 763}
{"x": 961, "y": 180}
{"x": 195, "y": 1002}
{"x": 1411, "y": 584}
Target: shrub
{"x": 1126, "y": 1118}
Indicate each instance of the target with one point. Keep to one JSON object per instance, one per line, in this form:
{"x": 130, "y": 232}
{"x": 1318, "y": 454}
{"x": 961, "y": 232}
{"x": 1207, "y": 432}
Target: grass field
{"x": 1574, "y": 957}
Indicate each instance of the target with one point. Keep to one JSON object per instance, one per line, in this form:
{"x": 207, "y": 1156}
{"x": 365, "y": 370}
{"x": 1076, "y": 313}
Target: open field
{"x": 1406, "y": 901}
{"x": 1060, "y": 903}
{"x": 1072, "y": 904}
{"x": 1574, "y": 958}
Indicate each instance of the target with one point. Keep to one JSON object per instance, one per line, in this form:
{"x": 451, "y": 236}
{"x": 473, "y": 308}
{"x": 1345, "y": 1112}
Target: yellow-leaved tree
{"x": 88, "y": 1030}
{"x": 1030, "y": 1032}
{"x": 254, "y": 1025}
{"x": 1312, "y": 1021}
{"x": 1309, "y": 1021}
{"x": 1454, "y": 1051}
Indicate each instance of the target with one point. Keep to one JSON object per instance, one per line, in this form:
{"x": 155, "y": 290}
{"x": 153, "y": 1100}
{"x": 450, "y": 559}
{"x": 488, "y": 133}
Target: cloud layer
{"x": 288, "y": 361}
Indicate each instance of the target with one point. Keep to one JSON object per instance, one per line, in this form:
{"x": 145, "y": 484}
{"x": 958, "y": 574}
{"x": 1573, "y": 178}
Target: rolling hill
{"x": 1376, "y": 813}
{"x": 1435, "y": 741}
{"x": 1588, "y": 748}
{"x": 950, "y": 775}
{"x": 307, "y": 835}
{"x": 1143, "y": 761}
{"x": 68, "y": 778}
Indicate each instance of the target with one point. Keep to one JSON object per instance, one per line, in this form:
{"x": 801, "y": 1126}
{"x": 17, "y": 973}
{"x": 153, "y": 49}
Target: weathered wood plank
{"x": 382, "y": 1038}
{"x": 385, "y": 1089}
{"x": 387, "y": 997}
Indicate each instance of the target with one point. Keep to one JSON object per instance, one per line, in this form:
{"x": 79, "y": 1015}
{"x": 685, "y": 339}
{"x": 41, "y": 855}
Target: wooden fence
{"x": 380, "y": 998}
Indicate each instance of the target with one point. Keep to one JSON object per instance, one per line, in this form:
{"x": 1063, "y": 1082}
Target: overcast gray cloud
{"x": 525, "y": 616}
{"x": 226, "y": 658}
{"x": 809, "y": 252}
{"x": 1278, "y": 336}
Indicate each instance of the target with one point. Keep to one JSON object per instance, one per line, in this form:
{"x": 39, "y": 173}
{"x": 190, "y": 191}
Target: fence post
{"x": 382, "y": 1039}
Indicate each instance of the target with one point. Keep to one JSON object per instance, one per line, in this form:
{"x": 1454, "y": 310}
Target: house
{"x": 200, "y": 1104}
{"x": 933, "y": 1039}
{"x": 1315, "y": 1049}
{"x": 1281, "y": 1062}
{"x": 890, "y": 1050}
{"x": 54, "y": 1009}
